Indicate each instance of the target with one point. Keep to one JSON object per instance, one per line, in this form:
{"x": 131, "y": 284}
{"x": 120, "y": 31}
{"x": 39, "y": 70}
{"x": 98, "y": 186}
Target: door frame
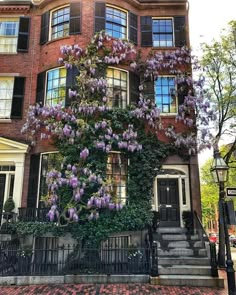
{"x": 184, "y": 174}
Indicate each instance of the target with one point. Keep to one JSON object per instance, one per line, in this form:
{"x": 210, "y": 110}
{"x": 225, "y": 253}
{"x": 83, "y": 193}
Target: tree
{"x": 210, "y": 190}
{"x": 219, "y": 65}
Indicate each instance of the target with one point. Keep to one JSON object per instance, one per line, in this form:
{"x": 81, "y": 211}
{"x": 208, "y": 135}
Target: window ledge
{"x": 168, "y": 115}
{"x": 58, "y": 39}
{"x": 5, "y": 120}
{"x": 8, "y": 53}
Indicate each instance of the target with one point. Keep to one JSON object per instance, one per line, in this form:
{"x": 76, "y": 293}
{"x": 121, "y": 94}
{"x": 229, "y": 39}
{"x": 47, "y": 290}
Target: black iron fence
{"x": 73, "y": 260}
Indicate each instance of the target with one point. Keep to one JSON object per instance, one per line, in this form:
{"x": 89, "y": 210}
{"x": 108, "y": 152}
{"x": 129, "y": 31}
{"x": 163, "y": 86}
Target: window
{"x": 165, "y": 96}
{"x": 56, "y": 87}
{"x": 116, "y": 22}
{"x": 116, "y": 172}
{"x": 6, "y": 94}
{"x": 117, "y": 88}
{"x": 49, "y": 161}
{"x": 60, "y": 23}
{"x": 8, "y": 34}
{"x": 162, "y": 33}
{"x": 14, "y": 34}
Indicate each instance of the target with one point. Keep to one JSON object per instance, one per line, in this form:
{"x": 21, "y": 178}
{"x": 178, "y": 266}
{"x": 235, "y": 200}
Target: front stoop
{"x": 187, "y": 280}
{"x": 183, "y": 260}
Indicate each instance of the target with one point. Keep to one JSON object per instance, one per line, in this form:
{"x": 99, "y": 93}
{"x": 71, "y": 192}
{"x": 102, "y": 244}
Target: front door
{"x": 168, "y": 200}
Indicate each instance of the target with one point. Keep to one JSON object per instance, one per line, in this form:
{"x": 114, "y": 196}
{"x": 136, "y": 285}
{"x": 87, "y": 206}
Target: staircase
{"x": 183, "y": 259}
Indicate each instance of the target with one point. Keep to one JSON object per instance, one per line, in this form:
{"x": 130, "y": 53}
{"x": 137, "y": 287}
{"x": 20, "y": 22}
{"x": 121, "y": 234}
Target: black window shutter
{"x": 148, "y": 90}
{"x": 134, "y": 82}
{"x": 100, "y": 17}
{"x": 40, "y": 88}
{"x": 133, "y": 28}
{"x": 146, "y": 31}
{"x": 75, "y": 18}
{"x": 23, "y": 35}
{"x": 18, "y": 98}
{"x": 180, "y": 31}
{"x": 182, "y": 91}
{"x": 44, "y": 28}
{"x": 71, "y": 83}
{"x": 33, "y": 181}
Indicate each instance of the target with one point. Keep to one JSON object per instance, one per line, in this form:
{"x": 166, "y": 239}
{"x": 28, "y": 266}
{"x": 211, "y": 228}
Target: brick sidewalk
{"x": 111, "y": 289}
{"x": 116, "y": 289}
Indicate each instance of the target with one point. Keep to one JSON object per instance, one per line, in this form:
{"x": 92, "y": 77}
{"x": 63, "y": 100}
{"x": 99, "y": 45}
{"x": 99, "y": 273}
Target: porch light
{"x": 219, "y": 169}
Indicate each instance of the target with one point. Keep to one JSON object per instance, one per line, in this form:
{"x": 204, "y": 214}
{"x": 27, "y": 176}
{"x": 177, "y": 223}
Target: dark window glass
{"x": 117, "y": 166}
{"x": 162, "y": 33}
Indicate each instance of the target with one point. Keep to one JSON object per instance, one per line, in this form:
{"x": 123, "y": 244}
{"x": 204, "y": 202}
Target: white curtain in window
{"x": 6, "y": 93}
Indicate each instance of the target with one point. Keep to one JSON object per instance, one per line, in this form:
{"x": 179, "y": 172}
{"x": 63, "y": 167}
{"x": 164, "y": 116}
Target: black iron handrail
{"x": 33, "y": 214}
{"x": 204, "y": 238}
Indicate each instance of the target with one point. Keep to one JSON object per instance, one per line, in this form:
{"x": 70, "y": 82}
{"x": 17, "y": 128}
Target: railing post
{"x": 154, "y": 261}
{"x": 214, "y": 270}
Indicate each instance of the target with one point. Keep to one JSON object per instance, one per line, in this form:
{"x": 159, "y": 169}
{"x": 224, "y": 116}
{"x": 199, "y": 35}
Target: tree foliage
{"x": 219, "y": 65}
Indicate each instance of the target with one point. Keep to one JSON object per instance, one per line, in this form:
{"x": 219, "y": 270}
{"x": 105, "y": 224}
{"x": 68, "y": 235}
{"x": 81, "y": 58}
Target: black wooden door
{"x": 168, "y": 199}
{"x": 2, "y": 191}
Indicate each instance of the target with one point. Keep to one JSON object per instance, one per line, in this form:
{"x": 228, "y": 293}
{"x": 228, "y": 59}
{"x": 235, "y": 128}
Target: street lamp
{"x": 219, "y": 171}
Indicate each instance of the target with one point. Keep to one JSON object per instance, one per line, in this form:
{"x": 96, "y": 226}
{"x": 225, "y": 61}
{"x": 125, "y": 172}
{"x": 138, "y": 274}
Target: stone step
{"x": 177, "y": 237}
{"x": 171, "y": 261}
{"x": 185, "y": 280}
{"x": 176, "y": 252}
{"x": 171, "y": 230}
{"x": 184, "y": 270}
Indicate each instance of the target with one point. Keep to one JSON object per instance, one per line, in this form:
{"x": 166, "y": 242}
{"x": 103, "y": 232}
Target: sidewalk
{"x": 115, "y": 289}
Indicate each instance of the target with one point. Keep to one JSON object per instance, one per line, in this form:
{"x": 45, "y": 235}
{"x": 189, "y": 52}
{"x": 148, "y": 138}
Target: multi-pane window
{"x": 116, "y": 22}
{"x": 6, "y": 94}
{"x": 60, "y": 23}
{"x": 165, "y": 95}
{"x": 49, "y": 161}
{"x": 9, "y": 28}
{"x": 162, "y": 33}
{"x": 116, "y": 172}
{"x": 56, "y": 87}
{"x": 117, "y": 90}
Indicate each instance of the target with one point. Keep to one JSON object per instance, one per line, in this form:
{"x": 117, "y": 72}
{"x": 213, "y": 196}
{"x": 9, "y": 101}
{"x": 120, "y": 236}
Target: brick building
{"x": 31, "y": 35}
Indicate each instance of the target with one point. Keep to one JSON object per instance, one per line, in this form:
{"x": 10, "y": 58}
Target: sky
{"x": 207, "y": 19}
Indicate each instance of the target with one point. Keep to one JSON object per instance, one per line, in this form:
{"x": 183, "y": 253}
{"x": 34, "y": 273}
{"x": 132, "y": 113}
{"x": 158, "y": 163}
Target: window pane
{"x": 116, "y": 23}
{"x": 6, "y": 93}
{"x": 60, "y": 23}
{"x": 8, "y": 34}
{"x": 56, "y": 87}
{"x": 117, "y": 173}
{"x": 117, "y": 91}
{"x": 165, "y": 94}
{"x": 162, "y": 33}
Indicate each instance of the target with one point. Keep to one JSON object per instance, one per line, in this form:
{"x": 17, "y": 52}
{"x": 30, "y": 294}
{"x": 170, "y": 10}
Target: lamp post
{"x": 219, "y": 171}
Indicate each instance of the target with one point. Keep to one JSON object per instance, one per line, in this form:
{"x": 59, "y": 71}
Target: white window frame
{"x": 126, "y": 25}
{"x": 12, "y": 48}
{"x": 173, "y": 31}
{"x": 110, "y": 103}
{"x": 51, "y": 38}
{"x": 51, "y": 99}
{"x": 176, "y": 96}
{"x": 9, "y": 96}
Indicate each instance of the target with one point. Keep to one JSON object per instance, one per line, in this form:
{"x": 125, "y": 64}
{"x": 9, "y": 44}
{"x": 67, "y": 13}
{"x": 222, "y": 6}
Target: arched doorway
{"x": 171, "y": 194}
